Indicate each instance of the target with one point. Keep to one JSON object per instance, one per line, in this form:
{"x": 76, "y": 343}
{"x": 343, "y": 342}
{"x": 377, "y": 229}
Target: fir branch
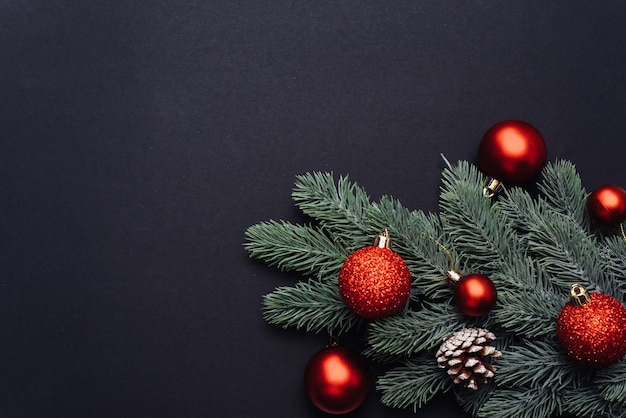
{"x": 527, "y": 302}
{"x": 472, "y": 400}
{"x": 340, "y": 208}
{"x": 475, "y": 230}
{"x": 389, "y": 213}
{"x": 521, "y": 273}
{"x": 613, "y": 252}
{"x": 540, "y": 365}
{"x": 529, "y": 313}
{"x": 562, "y": 187}
{"x": 519, "y": 209}
{"x": 587, "y": 402}
{"x": 569, "y": 227}
{"x": 566, "y": 252}
{"x": 611, "y": 382}
{"x": 522, "y": 403}
{"x": 413, "y": 331}
{"x": 413, "y": 384}
{"x": 295, "y": 248}
{"x": 314, "y": 306}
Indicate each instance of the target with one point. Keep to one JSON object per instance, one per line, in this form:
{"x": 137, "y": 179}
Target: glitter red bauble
{"x": 475, "y": 294}
{"x": 336, "y": 380}
{"x": 512, "y": 151}
{"x": 593, "y": 334}
{"x": 607, "y": 205}
{"x": 374, "y": 282}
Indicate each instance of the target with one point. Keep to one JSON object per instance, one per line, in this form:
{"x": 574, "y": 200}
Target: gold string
{"x": 448, "y": 253}
{"x": 621, "y": 226}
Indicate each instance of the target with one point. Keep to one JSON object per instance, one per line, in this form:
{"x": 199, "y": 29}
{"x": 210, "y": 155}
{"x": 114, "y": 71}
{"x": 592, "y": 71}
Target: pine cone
{"x": 463, "y": 353}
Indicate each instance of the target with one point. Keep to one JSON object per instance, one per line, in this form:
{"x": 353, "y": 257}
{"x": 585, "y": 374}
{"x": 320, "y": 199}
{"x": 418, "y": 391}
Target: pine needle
{"x": 312, "y": 306}
{"x": 562, "y": 187}
{"x": 544, "y": 366}
{"x": 295, "y": 248}
{"x": 611, "y": 379}
{"x": 340, "y": 208}
{"x": 413, "y": 384}
{"x": 414, "y": 331}
{"x": 522, "y": 403}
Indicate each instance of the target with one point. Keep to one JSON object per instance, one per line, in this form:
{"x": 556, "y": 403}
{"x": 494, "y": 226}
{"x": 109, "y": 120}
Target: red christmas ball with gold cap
{"x": 374, "y": 281}
{"x": 475, "y": 294}
{"x": 591, "y": 328}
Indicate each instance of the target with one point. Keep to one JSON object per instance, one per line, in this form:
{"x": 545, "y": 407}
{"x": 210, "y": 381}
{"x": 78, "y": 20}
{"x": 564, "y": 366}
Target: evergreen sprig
{"x": 314, "y": 306}
{"x": 468, "y": 217}
{"x": 562, "y": 188}
{"x": 339, "y": 208}
{"x": 295, "y": 248}
{"x": 413, "y": 384}
{"x": 413, "y": 331}
{"x": 545, "y": 366}
{"x": 613, "y": 383}
{"x": 521, "y": 402}
{"x": 533, "y": 246}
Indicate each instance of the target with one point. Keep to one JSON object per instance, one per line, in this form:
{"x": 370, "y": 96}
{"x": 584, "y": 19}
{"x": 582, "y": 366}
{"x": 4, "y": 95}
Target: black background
{"x": 140, "y": 140}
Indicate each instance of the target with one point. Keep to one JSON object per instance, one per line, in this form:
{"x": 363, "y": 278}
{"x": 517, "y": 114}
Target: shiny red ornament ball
{"x": 593, "y": 334}
{"x": 607, "y": 205}
{"x": 336, "y": 380}
{"x": 374, "y": 282}
{"x": 512, "y": 151}
{"x": 475, "y": 294}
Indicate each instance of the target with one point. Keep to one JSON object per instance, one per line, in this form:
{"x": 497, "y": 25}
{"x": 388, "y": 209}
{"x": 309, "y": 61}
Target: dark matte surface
{"x": 140, "y": 139}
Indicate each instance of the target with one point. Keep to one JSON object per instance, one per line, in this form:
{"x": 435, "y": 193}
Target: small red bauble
{"x": 374, "y": 281}
{"x": 512, "y": 151}
{"x": 607, "y": 205}
{"x": 474, "y": 294}
{"x": 336, "y": 380}
{"x": 591, "y": 328}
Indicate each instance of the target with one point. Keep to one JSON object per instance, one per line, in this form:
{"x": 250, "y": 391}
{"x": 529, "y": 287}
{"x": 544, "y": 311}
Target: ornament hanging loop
{"x": 448, "y": 253}
{"x": 579, "y": 296}
{"x": 492, "y": 187}
{"x": 383, "y": 239}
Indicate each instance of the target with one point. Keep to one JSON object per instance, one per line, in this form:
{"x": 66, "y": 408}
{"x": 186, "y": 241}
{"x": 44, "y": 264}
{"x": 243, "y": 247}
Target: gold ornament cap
{"x": 579, "y": 296}
{"x": 492, "y": 187}
{"x": 383, "y": 239}
{"x": 453, "y": 276}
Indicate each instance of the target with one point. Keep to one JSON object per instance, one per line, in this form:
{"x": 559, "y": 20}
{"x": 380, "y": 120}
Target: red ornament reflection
{"x": 607, "y": 205}
{"x": 336, "y": 380}
{"x": 475, "y": 294}
{"x": 512, "y": 151}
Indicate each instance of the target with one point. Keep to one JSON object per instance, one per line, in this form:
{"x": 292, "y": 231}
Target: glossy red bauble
{"x": 512, "y": 151}
{"x": 336, "y": 380}
{"x": 593, "y": 334}
{"x": 475, "y": 294}
{"x": 607, "y": 205}
{"x": 374, "y": 282}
